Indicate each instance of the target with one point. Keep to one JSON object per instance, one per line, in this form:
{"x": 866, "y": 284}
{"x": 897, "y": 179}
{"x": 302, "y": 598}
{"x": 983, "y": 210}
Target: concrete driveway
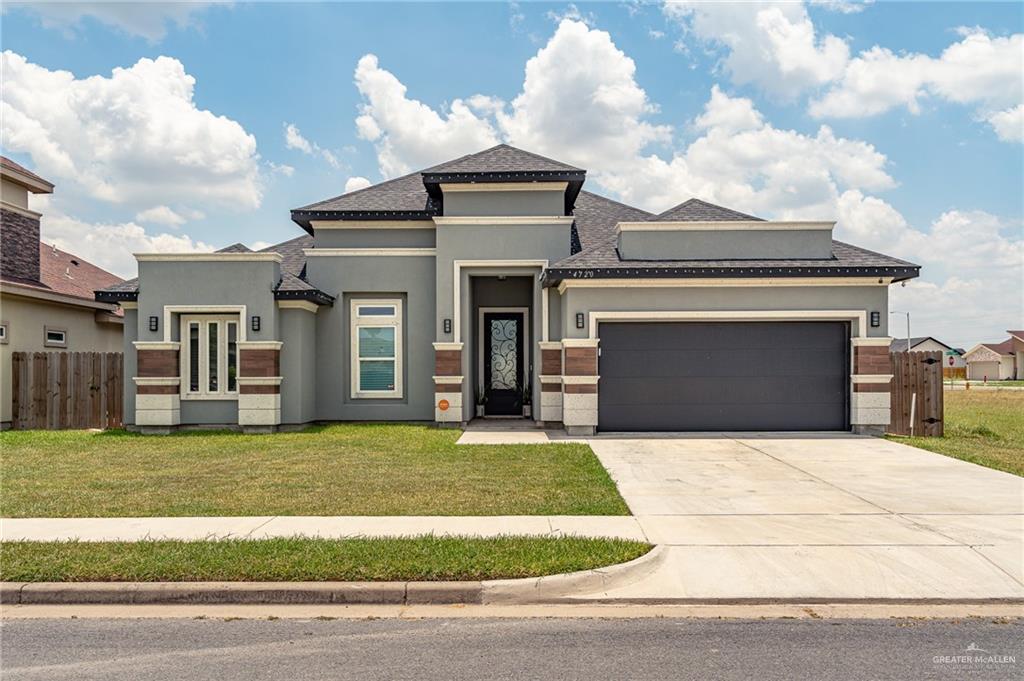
{"x": 817, "y": 516}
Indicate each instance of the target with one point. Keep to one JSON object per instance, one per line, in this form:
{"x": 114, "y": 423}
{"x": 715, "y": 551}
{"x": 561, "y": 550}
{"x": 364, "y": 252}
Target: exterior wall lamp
{"x": 579, "y": 320}
{"x": 255, "y": 323}
{"x": 154, "y": 323}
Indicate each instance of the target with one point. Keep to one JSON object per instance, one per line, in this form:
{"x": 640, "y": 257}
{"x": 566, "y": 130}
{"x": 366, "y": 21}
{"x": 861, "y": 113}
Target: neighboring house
{"x": 996, "y": 361}
{"x": 495, "y": 279}
{"x": 47, "y": 300}
{"x": 924, "y": 343}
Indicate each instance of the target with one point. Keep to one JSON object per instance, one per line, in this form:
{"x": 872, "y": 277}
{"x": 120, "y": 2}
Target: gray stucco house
{"x": 494, "y": 282}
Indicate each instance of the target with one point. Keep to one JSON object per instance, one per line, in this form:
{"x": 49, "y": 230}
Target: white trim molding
{"x": 550, "y": 378}
{"x": 723, "y": 282}
{"x": 206, "y": 309}
{"x": 455, "y": 187}
{"x": 33, "y": 183}
{"x": 259, "y": 380}
{"x": 457, "y": 266}
{"x": 550, "y": 345}
{"x": 726, "y": 226}
{"x": 870, "y": 378}
{"x": 259, "y": 345}
{"x": 129, "y": 304}
{"x": 156, "y": 345}
{"x": 15, "y": 208}
{"x": 157, "y": 380}
{"x": 50, "y": 296}
{"x": 369, "y": 252}
{"x": 447, "y": 379}
{"x": 580, "y": 342}
{"x": 447, "y": 346}
{"x": 883, "y": 341}
{"x": 859, "y": 316}
{"x": 209, "y": 257}
{"x": 298, "y": 305}
{"x": 580, "y": 380}
{"x": 487, "y": 220}
{"x": 371, "y": 224}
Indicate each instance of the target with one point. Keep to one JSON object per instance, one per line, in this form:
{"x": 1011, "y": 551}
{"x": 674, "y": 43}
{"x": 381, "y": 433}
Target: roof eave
{"x": 310, "y": 295}
{"x": 554, "y": 275}
{"x": 304, "y": 218}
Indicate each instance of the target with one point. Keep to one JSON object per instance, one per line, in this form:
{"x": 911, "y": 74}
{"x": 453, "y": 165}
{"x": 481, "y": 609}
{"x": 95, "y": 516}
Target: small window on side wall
{"x": 55, "y": 338}
{"x": 376, "y": 349}
{"x": 3, "y": 333}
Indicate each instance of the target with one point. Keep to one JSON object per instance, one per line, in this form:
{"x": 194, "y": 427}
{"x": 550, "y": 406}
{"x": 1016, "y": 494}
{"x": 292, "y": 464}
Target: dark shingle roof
{"x": 502, "y": 159}
{"x": 846, "y": 260}
{"x": 235, "y": 248}
{"x": 402, "y": 194}
{"x": 900, "y": 344}
{"x": 597, "y": 216}
{"x": 695, "y": 210}
{"x": 293, "y": 260}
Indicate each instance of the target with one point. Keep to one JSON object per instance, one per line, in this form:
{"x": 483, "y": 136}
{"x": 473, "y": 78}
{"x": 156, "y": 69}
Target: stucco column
{"x": 870, "y": 404}
{"x": 259, "y": 385}
{"x": 550, "y": 403}
{"x": 579, "y": 386}
{"x": 158, "y": 385}
{"x": 448, "y": 381}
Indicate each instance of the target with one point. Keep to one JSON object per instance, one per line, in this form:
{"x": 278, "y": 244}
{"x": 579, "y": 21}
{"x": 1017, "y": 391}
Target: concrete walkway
{"x": 338, "y": 527}
{"x": 817, "y": 516}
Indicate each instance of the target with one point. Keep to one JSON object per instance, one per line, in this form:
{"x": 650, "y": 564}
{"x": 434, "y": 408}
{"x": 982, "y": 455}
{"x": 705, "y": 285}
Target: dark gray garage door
{"x": 686, "y": 376}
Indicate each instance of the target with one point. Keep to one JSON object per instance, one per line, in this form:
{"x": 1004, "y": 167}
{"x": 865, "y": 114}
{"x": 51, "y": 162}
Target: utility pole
{"x": 908, "y": 326}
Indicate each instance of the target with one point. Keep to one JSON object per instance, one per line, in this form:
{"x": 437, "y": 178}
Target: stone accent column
{"x": 158, "y": 386}
{"x": 870, "y": 407}
{"x": 259, "y": 385}
{"x": 579, "y": 386}
{"x": 448, "y": 381}
{"x": 550, "y": 402}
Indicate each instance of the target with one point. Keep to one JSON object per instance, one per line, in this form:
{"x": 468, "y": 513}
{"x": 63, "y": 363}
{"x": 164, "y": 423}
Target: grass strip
{"x": 299, "y": 559}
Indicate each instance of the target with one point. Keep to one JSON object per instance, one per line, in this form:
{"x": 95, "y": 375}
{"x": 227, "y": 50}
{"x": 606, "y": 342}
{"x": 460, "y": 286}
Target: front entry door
{"x": 503, "y": 363}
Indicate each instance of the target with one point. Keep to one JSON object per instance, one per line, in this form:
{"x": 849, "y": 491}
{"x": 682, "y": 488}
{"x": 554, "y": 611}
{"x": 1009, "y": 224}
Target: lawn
{"x": 302, "y": 559}
{"x": 350, "y": 469}
{"x": 982, "y": 426}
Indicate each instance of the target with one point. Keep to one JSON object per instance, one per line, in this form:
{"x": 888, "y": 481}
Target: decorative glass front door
{"x": 503, "y": 363}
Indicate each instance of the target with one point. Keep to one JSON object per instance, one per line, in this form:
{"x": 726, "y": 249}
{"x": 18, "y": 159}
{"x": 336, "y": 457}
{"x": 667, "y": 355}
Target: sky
{"x": 176, "y": 127}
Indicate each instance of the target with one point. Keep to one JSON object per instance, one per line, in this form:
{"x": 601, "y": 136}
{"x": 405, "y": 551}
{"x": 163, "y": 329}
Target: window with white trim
{"x": 376, "y": 348}
{"x": 209, "y": 356}
{"x": 55, "y": 338}
{"x": 3, "y": 332}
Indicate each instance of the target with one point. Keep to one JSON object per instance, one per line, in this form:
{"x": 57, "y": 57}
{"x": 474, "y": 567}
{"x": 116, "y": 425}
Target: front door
{"x": 503, "y": 363}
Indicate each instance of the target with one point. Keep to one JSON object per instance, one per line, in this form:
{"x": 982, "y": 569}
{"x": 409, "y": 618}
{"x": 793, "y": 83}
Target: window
{"x": 55, "y": 338}
{"x": 209, "y": 356}
{"x": 3, "y": 332}
{"x": 376, "y": 348}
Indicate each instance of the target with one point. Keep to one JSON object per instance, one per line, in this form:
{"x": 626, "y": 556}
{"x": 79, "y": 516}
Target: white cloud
{"x": 655, "y": 34}
{"x": 281, "y": 168}
{"x": 136, "y": 137}
{"x": 109, "y": 245}
{"x": 356, "y": 183}
{"x": 772, "y": 44}
{"x": 980, "y": 70}
{"x": 407, "y": 133}
{"x": 293, "y": 139}
{"x": 149, "y": 20}
{"x": 843, "y": 6}
{"x": 160, "y": 215}
{"x": 1009, "y": 124}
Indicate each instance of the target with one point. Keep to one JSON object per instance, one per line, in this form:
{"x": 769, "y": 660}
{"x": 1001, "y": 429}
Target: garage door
{"x": 724, "y": 376}
{"x": 981, "y": 370}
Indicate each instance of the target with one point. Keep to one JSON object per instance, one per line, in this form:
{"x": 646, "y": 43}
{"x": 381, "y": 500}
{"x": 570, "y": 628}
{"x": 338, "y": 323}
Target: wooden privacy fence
{"x": 57, "y": 390}
{"x": 916, "y": 395}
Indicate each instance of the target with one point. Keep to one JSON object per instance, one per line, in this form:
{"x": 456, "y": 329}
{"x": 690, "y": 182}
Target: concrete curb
{"x": 506, "y": 591}
{"x": 557, "y": 588}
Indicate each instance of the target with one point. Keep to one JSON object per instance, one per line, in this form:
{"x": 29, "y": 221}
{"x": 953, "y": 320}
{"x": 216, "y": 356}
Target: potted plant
{"x": 481, "y": 403}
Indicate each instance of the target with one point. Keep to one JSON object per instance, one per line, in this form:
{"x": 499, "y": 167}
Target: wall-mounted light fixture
{"x": 579, "y": 320}
{"x": 876, "y": 319}
{"x": 255, "y": 323}
{"x": 447, "y": 326}
{"x": 154, "y": 323}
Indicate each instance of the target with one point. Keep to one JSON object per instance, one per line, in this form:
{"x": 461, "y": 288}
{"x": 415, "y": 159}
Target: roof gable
{"x": 695, "y": 210}
{"x": 503, "y": 158}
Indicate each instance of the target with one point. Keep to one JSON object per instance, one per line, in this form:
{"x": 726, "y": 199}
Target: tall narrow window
{"x": 376, "y": 348}
{"x": 209, "y": 356}
{"x": 232, "y": 355}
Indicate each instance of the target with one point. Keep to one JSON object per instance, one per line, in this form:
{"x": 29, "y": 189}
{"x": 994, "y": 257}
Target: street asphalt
{"x": 536, "y": 649}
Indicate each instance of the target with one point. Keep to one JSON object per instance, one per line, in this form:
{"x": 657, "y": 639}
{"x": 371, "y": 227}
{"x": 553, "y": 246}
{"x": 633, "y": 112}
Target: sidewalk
{"x": 331, "y": 527}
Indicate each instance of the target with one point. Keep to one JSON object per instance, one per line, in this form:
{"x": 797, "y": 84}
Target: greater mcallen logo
{"x": 975, "y": 655}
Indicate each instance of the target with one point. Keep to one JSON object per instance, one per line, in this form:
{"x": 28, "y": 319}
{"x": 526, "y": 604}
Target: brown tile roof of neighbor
{"x": 6, "y": 163}
{"x": 695, "y": 210}
{"x": 67, "y": 274}
{"x": 1004, "y": 348}
{"x": 1017, "y": 334}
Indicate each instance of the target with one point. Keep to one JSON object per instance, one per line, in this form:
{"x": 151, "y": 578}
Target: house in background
{"x": 495, "y": 283}
{"x": 996, "y": 361}
{"x": 47, "y": 300}
{"x": 926, "y": 343}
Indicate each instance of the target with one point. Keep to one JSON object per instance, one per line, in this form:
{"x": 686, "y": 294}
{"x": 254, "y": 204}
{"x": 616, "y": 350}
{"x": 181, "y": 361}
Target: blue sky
{"x": 900, "y": 120}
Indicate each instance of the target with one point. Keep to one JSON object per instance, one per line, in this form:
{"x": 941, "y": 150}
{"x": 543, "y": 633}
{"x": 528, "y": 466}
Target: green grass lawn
{"x": 981, "y": 426}
{"x": 301, "y": 559}
{"x": 364, "y": 469}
